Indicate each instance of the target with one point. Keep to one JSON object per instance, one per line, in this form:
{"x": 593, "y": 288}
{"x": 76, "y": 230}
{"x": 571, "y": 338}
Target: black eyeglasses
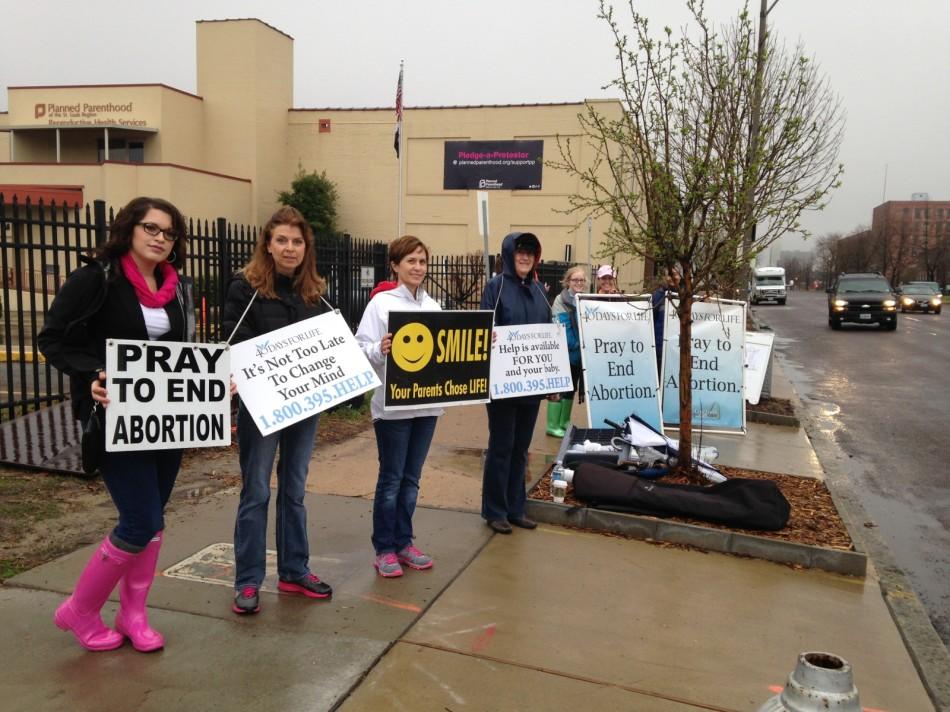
{"x": 152, "y": 229}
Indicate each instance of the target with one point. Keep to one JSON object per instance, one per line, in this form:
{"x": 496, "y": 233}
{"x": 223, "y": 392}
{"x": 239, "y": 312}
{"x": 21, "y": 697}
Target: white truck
{"x": 768, "y": 285}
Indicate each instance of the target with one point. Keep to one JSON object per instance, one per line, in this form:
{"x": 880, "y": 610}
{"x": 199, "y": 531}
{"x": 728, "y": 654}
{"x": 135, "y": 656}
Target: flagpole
{"x": 401, "y": 152}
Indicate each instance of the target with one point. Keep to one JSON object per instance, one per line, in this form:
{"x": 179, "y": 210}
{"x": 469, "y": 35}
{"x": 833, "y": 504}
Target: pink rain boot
{"x": 80, "y": 612}
{"x": 132, "y": 620}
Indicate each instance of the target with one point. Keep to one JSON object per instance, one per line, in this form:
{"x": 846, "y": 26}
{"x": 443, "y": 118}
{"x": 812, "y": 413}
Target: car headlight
{"x": 893, "y": 303}
{"x": 841, "y": 302}
{"x": 907, "y": 301}
{"x": 936, "y": 301}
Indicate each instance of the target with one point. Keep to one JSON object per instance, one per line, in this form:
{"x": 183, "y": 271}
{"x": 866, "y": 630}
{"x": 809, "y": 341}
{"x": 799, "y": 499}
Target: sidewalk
{"x": 545, "y": 620}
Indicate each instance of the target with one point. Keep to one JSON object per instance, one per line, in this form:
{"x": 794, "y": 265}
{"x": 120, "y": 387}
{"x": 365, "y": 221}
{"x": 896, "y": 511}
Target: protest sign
{"x": 758, "y": 351}
{"x": 530, "y": 359}
{"x": 619, "y": 359}
{"x": 438, "y": 358}
{"x": 300, "y": 370}
{"x": 166, "y": 395}
{"x": 718, "y": 338}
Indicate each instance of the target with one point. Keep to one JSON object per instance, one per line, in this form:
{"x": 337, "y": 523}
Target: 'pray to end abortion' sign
{"x": 165, "y": 395}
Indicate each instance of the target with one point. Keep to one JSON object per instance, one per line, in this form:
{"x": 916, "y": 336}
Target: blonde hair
{"x": 566, "y": 280}
{"x": 260, "y": 271}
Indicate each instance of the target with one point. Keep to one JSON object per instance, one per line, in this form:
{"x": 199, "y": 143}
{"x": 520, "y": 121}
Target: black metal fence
{"x": 41, "y": 244}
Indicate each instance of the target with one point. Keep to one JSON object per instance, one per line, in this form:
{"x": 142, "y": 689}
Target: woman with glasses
{"x": 278, "y": 287}
{"x": 129, "y": 290}
{"x": 516, "y": 297}
{"x": 565, "y": 312}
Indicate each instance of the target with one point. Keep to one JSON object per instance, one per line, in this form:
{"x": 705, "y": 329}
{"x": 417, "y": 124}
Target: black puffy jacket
{"x": 265, "y": 314}
{"x": 97, "y": 303}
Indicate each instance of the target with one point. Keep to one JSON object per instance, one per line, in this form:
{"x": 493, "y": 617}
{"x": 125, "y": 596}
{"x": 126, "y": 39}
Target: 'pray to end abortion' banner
{"x": 718, "y": 337}
{"x": 619, "y": 359}
{"x": 166, "y": 395}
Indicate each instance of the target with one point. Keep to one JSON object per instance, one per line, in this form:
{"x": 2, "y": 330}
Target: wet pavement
{"x": 881, "y": 397}
{"x": 554, "y": 618}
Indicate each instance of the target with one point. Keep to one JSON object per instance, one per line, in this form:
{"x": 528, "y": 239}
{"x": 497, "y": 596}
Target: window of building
{"x": 122, "y": 150}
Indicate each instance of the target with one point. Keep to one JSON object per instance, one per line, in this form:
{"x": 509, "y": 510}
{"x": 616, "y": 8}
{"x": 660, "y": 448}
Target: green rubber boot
{"x": 554, "y": 419}
{"x": 566, "y": 406}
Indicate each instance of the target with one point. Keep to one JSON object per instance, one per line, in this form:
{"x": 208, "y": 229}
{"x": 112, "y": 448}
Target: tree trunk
{"x": 685, "y": 312}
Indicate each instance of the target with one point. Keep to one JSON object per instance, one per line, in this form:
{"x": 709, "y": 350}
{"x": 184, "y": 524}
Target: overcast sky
{"x": 889, "y": 62}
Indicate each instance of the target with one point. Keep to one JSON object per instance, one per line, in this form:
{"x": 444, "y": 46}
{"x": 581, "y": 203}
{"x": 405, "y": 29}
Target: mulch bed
{"x": 773, "y": 406}
{"x": 813, "y": 520}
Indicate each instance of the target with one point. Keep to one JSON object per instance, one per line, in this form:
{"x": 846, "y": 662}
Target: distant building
{"x": 907, "y": 240}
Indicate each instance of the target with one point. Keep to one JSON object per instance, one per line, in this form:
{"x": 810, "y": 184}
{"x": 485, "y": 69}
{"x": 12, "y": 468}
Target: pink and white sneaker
{"x": 414, "y": 559}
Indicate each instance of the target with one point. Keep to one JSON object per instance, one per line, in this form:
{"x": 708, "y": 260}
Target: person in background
{"x": 516, "y": 297}
{"x": 565, "y": 312}
{"x": 668, "y": 285}
{"x": 607, "y": 280}
{"x": 130, "y": 290}
{"x": 283, "y": 283}
{"x": 402, "y": 436}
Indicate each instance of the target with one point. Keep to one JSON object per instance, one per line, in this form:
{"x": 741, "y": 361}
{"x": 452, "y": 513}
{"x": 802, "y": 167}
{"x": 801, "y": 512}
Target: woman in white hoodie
{"x": 402, "y": 437}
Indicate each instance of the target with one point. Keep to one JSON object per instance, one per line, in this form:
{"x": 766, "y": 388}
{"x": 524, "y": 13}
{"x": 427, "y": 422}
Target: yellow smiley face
{"x": 412, "y": 347}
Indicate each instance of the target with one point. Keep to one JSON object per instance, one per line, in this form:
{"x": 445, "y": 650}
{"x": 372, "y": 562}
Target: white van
{"x": 768, "y": 285}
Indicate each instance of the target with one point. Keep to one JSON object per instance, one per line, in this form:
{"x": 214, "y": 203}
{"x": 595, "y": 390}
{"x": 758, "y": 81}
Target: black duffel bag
{"x": 743, "y": 503}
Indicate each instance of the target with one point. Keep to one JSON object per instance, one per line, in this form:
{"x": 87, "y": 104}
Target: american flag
{"x": 398, "y": 112}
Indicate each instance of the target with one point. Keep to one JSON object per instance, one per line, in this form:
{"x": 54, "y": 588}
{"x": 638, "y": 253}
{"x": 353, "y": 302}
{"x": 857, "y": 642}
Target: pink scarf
{"x": 146, "y": 296}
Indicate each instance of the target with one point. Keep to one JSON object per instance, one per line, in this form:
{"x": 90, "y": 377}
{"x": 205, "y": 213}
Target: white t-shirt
{"x": 156, "y": 321}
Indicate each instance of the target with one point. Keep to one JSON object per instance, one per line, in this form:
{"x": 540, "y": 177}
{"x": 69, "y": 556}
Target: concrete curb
{"x": 636, "y": 526}
{"x": 926, "y": 649}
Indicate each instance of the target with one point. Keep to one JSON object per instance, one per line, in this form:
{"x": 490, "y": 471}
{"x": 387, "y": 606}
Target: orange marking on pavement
{"x": 776, "y": 689}
{"x": 482, "y": 641}
{"x": 392, "y": 603}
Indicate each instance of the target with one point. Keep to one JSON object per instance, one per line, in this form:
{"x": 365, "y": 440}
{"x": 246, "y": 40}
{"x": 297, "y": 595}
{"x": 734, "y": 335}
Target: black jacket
{"x": 265, "y": 314}
{"x": 97, "y": 303}
{"x": 515, "y": 300}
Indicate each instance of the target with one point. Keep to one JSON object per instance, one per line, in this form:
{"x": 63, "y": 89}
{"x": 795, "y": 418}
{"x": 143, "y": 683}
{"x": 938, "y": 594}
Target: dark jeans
{"x": 257, "y": 454}
{"x": 140, "y": 484}
{"x": 403, "y": 446}
{"x": 510, "y": 427}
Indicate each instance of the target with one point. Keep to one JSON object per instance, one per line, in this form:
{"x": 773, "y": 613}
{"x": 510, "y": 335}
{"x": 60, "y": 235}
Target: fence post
{"x": 99, "y": 221}
{"x": 224, "y": 274}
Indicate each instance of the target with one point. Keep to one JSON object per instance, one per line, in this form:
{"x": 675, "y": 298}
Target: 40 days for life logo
{"x": 438, "y": 358}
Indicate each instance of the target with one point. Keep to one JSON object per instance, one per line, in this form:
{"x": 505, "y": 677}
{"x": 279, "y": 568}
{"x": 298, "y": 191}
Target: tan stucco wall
{"x": 357, "y": 154}
{"x": 198, "y": 195}
{"x": 245, "y": 76}
{"x": 242, "y": 125}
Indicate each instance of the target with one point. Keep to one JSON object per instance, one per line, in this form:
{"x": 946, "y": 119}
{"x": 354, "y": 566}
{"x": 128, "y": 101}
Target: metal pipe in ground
{"x": 820, "y": 682}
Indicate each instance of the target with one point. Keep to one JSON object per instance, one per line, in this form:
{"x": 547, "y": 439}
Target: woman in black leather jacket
{"x": 282, "y": 287}
{"x": 130, "y": 290}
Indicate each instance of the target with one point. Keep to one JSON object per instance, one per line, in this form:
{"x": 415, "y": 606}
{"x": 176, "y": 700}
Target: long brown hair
{"x": 260, "y": 271}
{"x": 123, "y": 225}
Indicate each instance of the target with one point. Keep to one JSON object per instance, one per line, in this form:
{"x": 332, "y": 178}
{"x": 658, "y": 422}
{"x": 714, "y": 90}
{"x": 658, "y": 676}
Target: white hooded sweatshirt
{"x": 369, "y": 335}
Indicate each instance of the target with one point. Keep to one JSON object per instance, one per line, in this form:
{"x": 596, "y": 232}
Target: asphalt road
{"x": 884, "y": 397}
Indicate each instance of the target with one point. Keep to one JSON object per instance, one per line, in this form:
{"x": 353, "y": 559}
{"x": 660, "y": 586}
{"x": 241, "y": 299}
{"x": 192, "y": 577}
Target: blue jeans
{"x": 403, "y": 446}
{"x": 140, "y": 484}
{"x": 257, "y": 454}
{"x": 510, "y": 427}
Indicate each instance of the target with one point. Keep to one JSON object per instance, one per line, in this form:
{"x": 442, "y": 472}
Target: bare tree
{"x": 828, "y": 257}
{"x": 676, "y": 171}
